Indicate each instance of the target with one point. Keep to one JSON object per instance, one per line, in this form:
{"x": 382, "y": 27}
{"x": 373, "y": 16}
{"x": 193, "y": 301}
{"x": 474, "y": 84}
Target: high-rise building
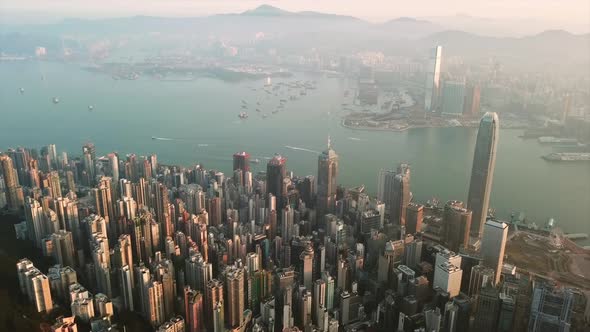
{"x": 276, "y": 172}
{"x": 235, "y": 296}
{"x": 326, "y": 187}
{"x": 493, "y": 246}
{"x": 447, "y": 276}
{"x": 484, "y": 160}
{"x": 242, "y": 161}
{"x": 63, "y": 248}
{"x": 414, "y": 218}
{"x": 479, "y": 278}
{"x": 432, "y": 88}
{"x": 453, "y": 97}
{"x": 193, "y": 302}
{"x": 551, "y": 308}
{"x": 14, "y": 192}
{"x": 394, "y": 190}
{"x": 213, "y": 299}
{"x": 126, "y": 287}
{"x": 54, "y": 185}
{"x": 401, "y": 196}
{"x": 113, "y": 170}
{"x": 488, "y": 307}
{"x": 456, "y": 224}
{"x": 472, "y": 100}
{"x": 35, "y": 284}
{"x": 307, "y": 266}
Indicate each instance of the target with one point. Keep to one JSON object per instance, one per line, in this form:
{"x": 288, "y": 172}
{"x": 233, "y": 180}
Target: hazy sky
{"x": 575, "y": 12}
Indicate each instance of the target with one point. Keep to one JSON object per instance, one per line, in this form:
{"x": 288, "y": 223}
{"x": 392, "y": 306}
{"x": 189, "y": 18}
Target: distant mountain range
{"x": 305, "y": 30}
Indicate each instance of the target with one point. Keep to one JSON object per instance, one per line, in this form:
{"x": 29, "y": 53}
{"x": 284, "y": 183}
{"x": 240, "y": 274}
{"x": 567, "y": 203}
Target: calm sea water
{"x": 201, "y": 117}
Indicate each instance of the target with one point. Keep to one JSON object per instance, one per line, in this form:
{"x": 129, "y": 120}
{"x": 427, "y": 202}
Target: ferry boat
{"x": 568, "y": 156}
{"x": 556, "y": 140}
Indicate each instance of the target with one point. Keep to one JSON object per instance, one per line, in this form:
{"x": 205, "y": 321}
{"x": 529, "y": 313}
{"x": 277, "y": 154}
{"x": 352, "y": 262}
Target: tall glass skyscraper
{"x": 484, "y": 160}
{"x": 327, "y": 173}
{"x": 432, "y": 87}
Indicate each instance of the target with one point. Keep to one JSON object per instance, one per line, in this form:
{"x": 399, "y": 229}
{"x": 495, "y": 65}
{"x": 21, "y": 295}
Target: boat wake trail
{"x": 301, "y": 149}
{"x": 355, "y": 139}
{"x": 163, "y": 138}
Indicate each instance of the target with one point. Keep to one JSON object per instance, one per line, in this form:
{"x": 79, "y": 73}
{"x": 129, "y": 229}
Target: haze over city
{"x": 317, "y": 166}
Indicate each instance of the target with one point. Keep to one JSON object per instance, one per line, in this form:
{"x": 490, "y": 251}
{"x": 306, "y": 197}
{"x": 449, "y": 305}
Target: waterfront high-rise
{"x": 276, "y": 172}
{"x": 326, "y": 188}
{"x": 453, "y": 97}
{"x": 493, "y": 246}
{"x": 432, "y": 87}
{"x": 456, "y": 224}
{"x": 401, "y": 196}
{"x": 242, "y": 161}
{"x": 414, "y": 218}
{"x": 484, "y": 160}
{"x": 472, "y": 100}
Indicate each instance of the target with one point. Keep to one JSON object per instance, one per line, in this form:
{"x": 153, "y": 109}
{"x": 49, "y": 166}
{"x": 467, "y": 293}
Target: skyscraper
{"x": 432, "y": 87}
{"x": 453, "y": 97}
{"x": 213, "y": 299}
{"x": 551, "y": 308}
{"x": 242, "y": 161}
{"x": 326, "y": 189}
{"x": 456, "y": 224}
{"x": 113, "y": 167}
{"x": 414, "y": 218}
{"x": 235, "y": 296}
{"x": 275, "y": 174}
{"x": 401, "y": 195}
{"x": 484, "y": 160}
{"x": 493, "y": 245}
{"x": 307, "y": 266}
{"x": 11, "y": 182}
{"x": 472, "y": 100}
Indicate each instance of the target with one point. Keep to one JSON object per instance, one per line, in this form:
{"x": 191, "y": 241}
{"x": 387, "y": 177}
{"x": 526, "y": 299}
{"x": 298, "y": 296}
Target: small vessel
{"x": 264, "y": 116}
{"x": 258, "y": 110}
{"x": 268, "y": 81}
{"x": 55, "y": 100}
{"x": 154, "y": 137}
{"x": 243, "y": 115}
{"x": 22, "y": 90}
{"x": 275, "y": 111}
{"x": 255, "y": 161}
{"x": 244, "y": 106}
{"x": 90, "y": 107}
{"x": 244, "y": 102}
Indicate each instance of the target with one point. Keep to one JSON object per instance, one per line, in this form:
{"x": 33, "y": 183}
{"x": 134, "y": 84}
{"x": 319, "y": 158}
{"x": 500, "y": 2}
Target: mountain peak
{"x": 266, "y": 10}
